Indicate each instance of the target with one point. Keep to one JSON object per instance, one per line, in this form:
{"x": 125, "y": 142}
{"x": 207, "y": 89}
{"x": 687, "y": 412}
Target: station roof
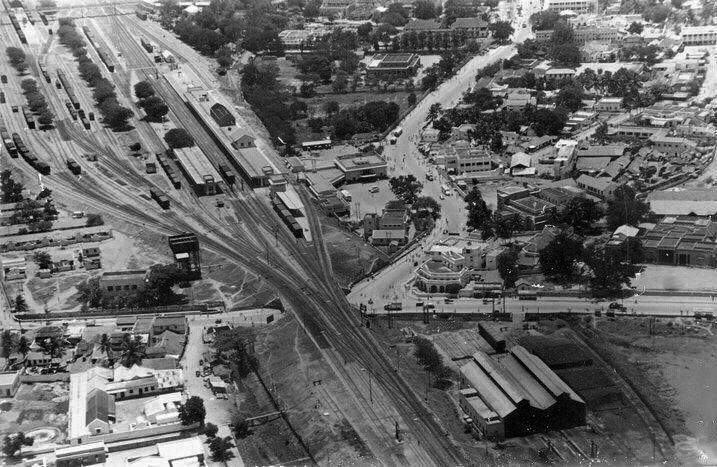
{"x": 196, "y": 164}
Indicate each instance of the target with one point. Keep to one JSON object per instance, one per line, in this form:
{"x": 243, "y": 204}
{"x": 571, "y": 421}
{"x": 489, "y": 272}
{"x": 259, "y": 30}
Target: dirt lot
{"x": 351, "y": 257}
{"x": 40, "y": 405}
{"x": 289, "y": 364}
{"x": 676, "y": 367}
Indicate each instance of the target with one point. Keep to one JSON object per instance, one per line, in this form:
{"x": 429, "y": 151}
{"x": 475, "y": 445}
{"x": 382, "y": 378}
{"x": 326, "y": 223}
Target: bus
{"x": 446, "y": 189}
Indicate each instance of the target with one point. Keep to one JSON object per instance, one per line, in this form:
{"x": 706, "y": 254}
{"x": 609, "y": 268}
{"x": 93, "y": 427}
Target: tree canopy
{"x": 178, "y": 138}
{"x": 624, "y": 208}
{"x": 558, "y": 258}
{"x": 406, "y": 188}
{"x": 193, "y": 411}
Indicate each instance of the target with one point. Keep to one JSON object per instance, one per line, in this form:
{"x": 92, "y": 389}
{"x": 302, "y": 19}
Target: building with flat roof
{"x": 9, "y": 383}
{"x": 473, "y": 27}
{"x": 198, "y": 169}
{"x": 362, "y": 166}
{"x": 600, "y": 187}
{"x": 516, "y": 394}
{"x": 681, "y": 241}
{"x": 13, "y": 267}
{"x": 81, "y": 454}
{"x": 185, "y": 248}
{"x": 578, "y": 6}
{"x": 118, "y": 282}
{"x": 394, "y": 65}
{"x": 699, "y": 35}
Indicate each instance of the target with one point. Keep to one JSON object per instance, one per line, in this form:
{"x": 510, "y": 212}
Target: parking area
{"x": 365, "y": 199}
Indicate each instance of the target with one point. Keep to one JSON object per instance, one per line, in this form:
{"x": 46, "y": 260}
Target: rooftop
{"x": 359, "y": 161}
{"x": 197, "y": 165}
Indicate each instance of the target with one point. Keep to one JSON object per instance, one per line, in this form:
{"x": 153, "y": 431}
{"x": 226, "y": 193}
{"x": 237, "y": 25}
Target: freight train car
{"x": 148, "y": 46}
{"x": 227, "y": 173}
{"x": 43, "y": 18}
{"x": 171, "y": 174}
{"x": 104, "y": 54}
{"x": 29, "y": 117}
{"x": 287, "y": 218}
{"x": 74, "y": 166}
{"x": 159, "y": 197}
{"x": 44, "y": 72}
{"x": 65, "y": 83}
{"x": 7, "y": 142}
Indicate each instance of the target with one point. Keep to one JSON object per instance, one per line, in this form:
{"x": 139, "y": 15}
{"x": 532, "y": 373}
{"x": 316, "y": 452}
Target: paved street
{"x": 404, "y": 154}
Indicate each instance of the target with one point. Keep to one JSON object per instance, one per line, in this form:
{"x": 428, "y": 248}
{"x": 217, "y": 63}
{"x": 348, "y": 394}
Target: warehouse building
{"x": 516, "y": 394}
{"x": 198, "y": 170}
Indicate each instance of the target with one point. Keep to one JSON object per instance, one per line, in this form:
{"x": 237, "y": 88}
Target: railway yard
{"x": 348, "y": 389}
{"x": 113, "y": 182}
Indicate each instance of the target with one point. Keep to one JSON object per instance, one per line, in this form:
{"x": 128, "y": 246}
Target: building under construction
{"x": 185, "y": 248}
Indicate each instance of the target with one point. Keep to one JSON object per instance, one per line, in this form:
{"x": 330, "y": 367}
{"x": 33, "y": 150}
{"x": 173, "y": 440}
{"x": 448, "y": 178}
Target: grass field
{"x": 37, "y": 405}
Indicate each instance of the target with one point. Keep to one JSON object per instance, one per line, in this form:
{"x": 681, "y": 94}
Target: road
{"x": 404, "y": 154}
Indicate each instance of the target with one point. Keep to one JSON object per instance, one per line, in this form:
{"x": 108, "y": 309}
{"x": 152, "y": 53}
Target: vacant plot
{"x": 351, "y": 257}
{"x": 37, "y": 406}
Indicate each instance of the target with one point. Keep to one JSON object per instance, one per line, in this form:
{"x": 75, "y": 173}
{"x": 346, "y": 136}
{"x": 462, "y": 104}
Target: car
{"x": 218, "y": 321}
{"x": 614, "y": 306}
{"x": 201, "y": 362}
{"x": 198, "y": 374}
{"x": 373, "y": 189}
{"x": 430, "y": 305}
{"x": 442, "y": 197}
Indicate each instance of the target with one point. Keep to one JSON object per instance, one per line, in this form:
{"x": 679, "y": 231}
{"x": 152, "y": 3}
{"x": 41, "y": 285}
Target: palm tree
{"x": 53, "y": 347}
{"x": 20, "y": 304}
{"x": 132, "y": 351}
{"x": 106, "y": 348}
{"x": 23, "y": 346}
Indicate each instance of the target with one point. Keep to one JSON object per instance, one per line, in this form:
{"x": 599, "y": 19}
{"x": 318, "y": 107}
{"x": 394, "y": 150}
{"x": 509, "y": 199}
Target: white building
{"x": 578, "y": 6}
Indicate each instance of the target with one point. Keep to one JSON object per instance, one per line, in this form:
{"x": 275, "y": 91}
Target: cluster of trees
{"x": 442, "y": 70}
{"x": 10, "y": 342}
{"x": 37, "y": 214}
{"x": 114, "y": 115}
{"x": 37, "y": 103}
{"x": 178, "y": 138}
{"x": 429, "y": 40}
{"x": 12, "y": 444}
{"x": 501, "y": 30}
{"x": 268, "y": 99}
{"x": 432, "y": 361}
{"x": 372, "y": 116}
{"x": 425, "y": 209}
{"x": 10, "y": 190}
{"x": 153, "y": 106}
{"x": 605, "y": 269}
{"x": 157, "y": 291}
{"x": 480, "y": 217}
{"x": 16, "y": 56}
{"x": 237, "y": 345}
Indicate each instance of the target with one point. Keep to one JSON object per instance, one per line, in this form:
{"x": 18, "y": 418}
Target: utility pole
{"x": 398, "y": 359}
{"x": 370, "y": 390}
{"x": 428, "y": 382}
{"x": 398, "y": 433}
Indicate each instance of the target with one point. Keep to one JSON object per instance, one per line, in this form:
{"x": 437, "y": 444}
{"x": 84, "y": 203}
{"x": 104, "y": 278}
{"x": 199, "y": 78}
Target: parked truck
{"x": 393, "y": 306}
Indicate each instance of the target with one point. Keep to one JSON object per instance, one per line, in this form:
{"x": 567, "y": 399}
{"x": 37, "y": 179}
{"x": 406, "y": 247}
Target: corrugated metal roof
{"x": 489, "y": 392}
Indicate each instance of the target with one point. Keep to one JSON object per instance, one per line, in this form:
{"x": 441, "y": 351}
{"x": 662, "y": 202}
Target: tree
{"x": 364, "y": 31}
{"x": 624, "y": 208}
{"x": 20, "y": 304}
{"x": 427, "y": 204}
{"x": 43, "y": 259}
{"x": 210, "y": 430}
{"x": 115, "y": 116}
{"x": 221, "y": 449}
{"x": 143, "y": 90}
{"x": 558, "y": 257}
{"x": 340, "y": 82}
{"x": 479, "y": 215}
{"x": 601, "y": 133}
{"x": 508, "y": 267}
{"x": 155, "y": 108}
{"x": 193, "y": 411}
{"x": 608, "y": 271}
{"x": 307, "y": 89}
{"x": 12, "y": 445}
{"x": 241, "y": 426}
{"x": 94, "y": 220}
{"x": 178, "y": 138}
{"x": 424, "y": 9}
{"x": 411, "y": 99}
{"x": 132, "y": 350}
{"x": 106, "y": 348}
{"x": 405, "y": 187}
{"x": 501, "y": 30}
{"x": 6, "y": 343}
{"x": 46, "y": 117}
{"x": 103, "y": 89}
{"x": 433, "y": 111}
{"x": 332, "y": 107}
{"x": 570, "y": 96}
{"x": 23, "y": 346}
{"x": 579, "y": 213}
{"x": 298, "y": 109}
{"x": 311, "y": 10}
{"x": 635, "y": 28}
{"x": 316, "y": 124}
